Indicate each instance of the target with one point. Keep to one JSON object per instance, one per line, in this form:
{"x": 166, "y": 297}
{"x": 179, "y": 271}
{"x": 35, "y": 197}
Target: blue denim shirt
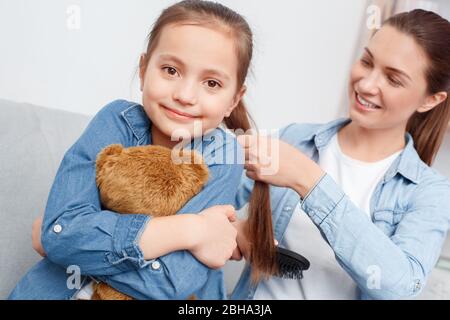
{"x": 389, "y": 257}
{"x": 103, "y": 244}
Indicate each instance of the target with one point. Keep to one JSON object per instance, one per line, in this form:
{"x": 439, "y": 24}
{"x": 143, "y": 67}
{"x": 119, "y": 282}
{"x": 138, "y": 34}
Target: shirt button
{"x": 57, "y": 228}
{"x": 287, "y": 208}
{"x": 418, "y": 285}
{"x": 156, "y": 265}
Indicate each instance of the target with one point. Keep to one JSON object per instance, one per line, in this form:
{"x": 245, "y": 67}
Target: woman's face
{"x": 388, "y": 85}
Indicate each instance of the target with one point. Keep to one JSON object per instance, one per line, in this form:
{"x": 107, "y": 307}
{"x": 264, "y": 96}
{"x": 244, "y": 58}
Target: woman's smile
{"x": 365, "y": 105}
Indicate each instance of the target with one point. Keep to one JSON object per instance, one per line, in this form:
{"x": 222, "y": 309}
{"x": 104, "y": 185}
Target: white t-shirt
{"x": 326, "y": 279}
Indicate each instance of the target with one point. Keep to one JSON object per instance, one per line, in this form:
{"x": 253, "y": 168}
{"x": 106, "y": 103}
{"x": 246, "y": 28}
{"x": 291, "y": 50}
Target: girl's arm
{"x": 76, "y": 231}
{"x": 186, "y": 273}
{"x": 383, "y": 267}
{"x": 208, "y": 235}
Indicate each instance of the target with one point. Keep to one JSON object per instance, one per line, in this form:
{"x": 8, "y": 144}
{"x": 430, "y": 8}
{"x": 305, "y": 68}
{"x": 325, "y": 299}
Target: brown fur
{"x": 145, "y": 180}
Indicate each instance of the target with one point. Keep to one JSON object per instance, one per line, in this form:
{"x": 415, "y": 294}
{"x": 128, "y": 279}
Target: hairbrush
{"x": 290, "y": 264}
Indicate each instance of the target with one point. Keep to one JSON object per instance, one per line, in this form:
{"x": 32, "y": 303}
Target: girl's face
{"x": 388, "y": 85}
{"x": 190, "y": 80}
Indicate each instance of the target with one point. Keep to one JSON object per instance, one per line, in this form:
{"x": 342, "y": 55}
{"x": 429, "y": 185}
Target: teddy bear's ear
{"x": 102, "y": 157}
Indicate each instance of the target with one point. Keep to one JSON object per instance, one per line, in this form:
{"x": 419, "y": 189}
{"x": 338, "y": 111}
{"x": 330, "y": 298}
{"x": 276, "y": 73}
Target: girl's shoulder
{"x": 121, "y": 117}
{"x": 123, "y": 109}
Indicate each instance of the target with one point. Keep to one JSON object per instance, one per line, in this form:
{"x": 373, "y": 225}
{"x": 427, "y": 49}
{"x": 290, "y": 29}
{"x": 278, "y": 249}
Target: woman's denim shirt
{"x": 79, "y": 236}
{"x": 390, "y": 256}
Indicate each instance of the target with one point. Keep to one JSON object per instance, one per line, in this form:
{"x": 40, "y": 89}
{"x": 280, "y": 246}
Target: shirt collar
{"x": 407, "y": 164}
{"x": 138, "y": 121}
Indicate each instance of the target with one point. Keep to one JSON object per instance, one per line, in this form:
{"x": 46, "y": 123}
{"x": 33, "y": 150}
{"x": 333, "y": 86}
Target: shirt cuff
{"x": 322, "y": 199}
{"x": 128, "y": 231}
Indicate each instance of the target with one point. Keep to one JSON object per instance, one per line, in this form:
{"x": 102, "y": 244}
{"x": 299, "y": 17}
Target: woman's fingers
{"x": 252, "y": 175}
{"x": 246, "y": 140}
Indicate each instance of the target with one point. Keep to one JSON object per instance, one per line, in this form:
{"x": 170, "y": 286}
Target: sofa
{"x": 33, "y": 140}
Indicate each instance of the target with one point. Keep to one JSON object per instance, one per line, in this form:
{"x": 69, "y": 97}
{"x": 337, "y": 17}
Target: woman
{"x": 368, "y": 191}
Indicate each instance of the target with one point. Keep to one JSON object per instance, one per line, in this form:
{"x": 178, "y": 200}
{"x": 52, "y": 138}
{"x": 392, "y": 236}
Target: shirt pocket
{"x": 388, "y": 219}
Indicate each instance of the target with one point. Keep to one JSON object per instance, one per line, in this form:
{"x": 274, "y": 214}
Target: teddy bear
{"x": 145, "y": 180}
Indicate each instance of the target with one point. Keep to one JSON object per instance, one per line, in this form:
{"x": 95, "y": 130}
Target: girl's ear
{"x": 238, "y": 97}
{"x": 433, "y": 101}
{"x": 142, "y": 68}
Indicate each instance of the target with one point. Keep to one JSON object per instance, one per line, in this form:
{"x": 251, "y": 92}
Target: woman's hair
{"x": 432, "y": 33}
{"x": 217, "y": 16}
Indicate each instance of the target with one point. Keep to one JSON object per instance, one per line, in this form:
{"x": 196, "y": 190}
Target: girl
{"x": 376, "y": 213}
{"x": 192, "y": 74}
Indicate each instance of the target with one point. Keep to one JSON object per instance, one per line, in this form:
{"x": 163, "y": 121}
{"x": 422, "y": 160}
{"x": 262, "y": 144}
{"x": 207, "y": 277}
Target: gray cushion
{"x": 33, "y": 141}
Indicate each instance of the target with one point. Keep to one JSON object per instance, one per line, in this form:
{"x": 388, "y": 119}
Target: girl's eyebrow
{"x": 171, "y": 57}
{"x": 217, "y": 73}
{"x": 389, "y": 68}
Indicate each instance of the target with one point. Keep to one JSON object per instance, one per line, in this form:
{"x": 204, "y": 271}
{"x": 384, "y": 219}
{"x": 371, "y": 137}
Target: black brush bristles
{"x": 290, "y": 264}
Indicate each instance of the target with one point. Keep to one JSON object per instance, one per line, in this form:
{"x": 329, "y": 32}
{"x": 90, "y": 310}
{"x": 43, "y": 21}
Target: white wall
{"x": 302, "y": 58}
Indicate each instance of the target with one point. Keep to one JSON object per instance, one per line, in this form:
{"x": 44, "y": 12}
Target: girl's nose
{"x": 186, "y": 93}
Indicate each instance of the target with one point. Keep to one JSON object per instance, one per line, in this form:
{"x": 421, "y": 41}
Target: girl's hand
{"x": 277, "y": 163}
{"x": 215, "y": 236}
{"x": 36, "y": 236}
{"x": 243, "y": 245}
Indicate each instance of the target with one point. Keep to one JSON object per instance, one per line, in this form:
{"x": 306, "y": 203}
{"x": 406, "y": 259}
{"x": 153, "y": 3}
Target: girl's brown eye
{"x": 213, "y": 84}
{"x": 171, "y": 71}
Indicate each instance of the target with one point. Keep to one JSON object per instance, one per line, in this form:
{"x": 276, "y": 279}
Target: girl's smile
{"x": 178, "y": 115}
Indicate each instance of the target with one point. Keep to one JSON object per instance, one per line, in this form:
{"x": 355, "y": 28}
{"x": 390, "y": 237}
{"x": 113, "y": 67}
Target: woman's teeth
{"x": 366, "y": 103}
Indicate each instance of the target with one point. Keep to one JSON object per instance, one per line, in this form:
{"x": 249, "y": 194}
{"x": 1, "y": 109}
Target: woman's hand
{"x": 215, "y": 236}
{"x": 277, "y": 163}
{"x": 36, "y": 236}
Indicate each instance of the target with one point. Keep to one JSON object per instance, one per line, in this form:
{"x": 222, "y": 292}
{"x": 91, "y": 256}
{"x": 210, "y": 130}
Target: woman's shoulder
{"x": 429, "y": 187}
{"x": 430, "y": 177}
{"x": 307, "y": 131}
